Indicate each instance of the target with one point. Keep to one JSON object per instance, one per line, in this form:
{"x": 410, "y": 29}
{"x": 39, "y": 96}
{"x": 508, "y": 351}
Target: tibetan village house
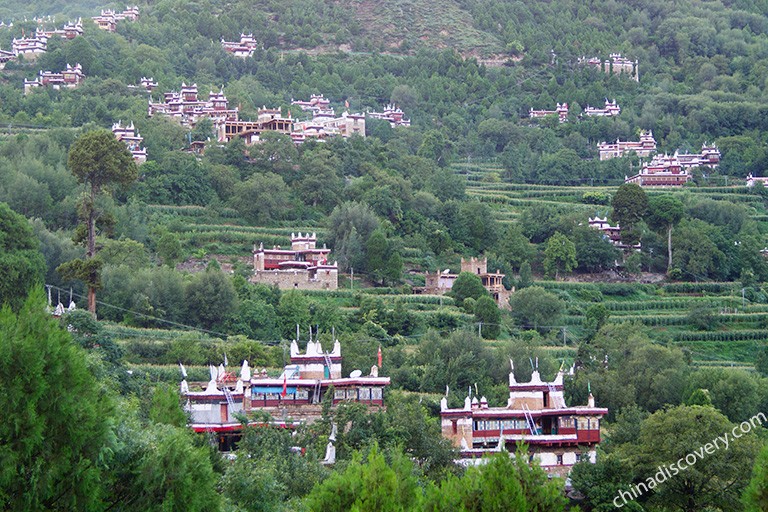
{"x": 244, "y": 48}
{"x": 292, "y": 398}
{"x": 267, "y": 120}
{"x": 303, "y": 267}
{"x": 317, "y": 103}
{"x": 327, "y": 124}
{"x": 674, "y": 171}
{"x": 132, "y": 140}
{"x": 611, "y": 109}
{"x": 440, "y": 283}
{"x": 5, "y": 57}
{"x": 393, "y": 114}
{"x": 557, "y": 435}
{"x": 617, "y": 65}
{"x": 753, "y": 180}
{"x": 611, "y": 233}
{"x": 108, "y": 19}
{"x": 561, "y": 111}
{"x": 643, "y": 148}
{"x": 186, "y": 108}
{"x": 68, "y": 31}
{"x": 30, "y": 47}
{"x": 71, "y": 77}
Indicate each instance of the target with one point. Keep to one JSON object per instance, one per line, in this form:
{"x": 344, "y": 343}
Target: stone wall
{"x": 298, "y": 279}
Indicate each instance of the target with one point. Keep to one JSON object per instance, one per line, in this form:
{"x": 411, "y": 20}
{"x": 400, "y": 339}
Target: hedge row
{"x": 708, "y": 287}
{"x": 759, "y": 335}
{"x": 673, "y": 303}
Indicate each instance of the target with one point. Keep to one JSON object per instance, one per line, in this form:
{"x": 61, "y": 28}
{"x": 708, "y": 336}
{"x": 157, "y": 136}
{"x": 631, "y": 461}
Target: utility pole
{"x": 650, "y": 260}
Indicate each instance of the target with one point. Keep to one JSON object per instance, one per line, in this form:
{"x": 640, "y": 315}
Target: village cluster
{"x": 558, "y": 435}
{"x": 662, "y": 170}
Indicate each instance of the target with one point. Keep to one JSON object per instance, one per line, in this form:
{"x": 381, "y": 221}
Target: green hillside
{"x": 671, "y": 338}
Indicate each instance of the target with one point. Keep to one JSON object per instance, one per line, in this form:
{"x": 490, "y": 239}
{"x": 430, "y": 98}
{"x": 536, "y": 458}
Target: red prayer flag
{"x": 379, "y": 356}
{"x": 285, "y": 384}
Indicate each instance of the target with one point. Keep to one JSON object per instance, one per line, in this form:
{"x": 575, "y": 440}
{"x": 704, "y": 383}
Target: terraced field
{"x": 222, "y": 231}
{"x": 735, "y": 331}
{"x": 738, "y": 327}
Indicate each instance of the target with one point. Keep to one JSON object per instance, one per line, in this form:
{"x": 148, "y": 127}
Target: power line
{"x": 149, "y": 317}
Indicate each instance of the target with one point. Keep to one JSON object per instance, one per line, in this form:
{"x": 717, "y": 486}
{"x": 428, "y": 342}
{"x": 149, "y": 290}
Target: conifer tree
{"x": 56, "y": 433}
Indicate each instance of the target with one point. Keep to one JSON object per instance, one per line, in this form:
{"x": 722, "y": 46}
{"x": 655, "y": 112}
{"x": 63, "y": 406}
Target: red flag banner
{"x": 379, "y": 356}
{"x": 285, "y": 385}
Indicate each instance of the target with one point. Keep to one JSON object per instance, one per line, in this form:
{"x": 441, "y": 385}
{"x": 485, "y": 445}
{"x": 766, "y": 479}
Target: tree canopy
{"x": 21, "y": 263}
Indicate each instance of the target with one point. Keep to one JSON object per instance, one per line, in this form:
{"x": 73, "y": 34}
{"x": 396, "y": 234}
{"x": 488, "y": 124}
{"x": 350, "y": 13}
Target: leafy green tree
{"x": 203, "y": 130}
{"x": 351, "y": 224}
{"x": 703, "y": 318}
{"x": 436, "y": 147}
{"x": 594, "y": 253}
{"x": 210, "y": 299}
{"x": 91, "y": 335}
{"x": 700, "y": 397}
{"x": 21, "y": 263}
{"x": 595, "y": 317}
{"x": 756, "y": 494}
{"x": 560, "y": 255}
{"x": 400, "y": 320}
{"x": 56, "y": 247}
{"x": 630, "y": 206}
{"x": 672, "y": 434}
{"x": 124, "y": 252}
{"x": 600, "y": 481}
{"x": 256, "y": 319}
{"x": 696, "y": 252}
{"x": 100, "y": 161}
{"x": 172, "y": 473}
{"x": 626, "y": 368}
{"x": 504, "y": 483}
{"x": 293, "y": 310}
{"x": 393, "y": 270}
{"x": 735, "y": 393}
{"x": 665, "y": 212}
{"x": 761, "y": 362}
{"x": 526, "y": 276}
{"x": 409, "y": 424}
{"x": 515, "y": 248}
{"x": 370, "y": 484}
{"x": 165, "y": 407}
{"x": 263, "y": 198}
{"x": 376, "y": 254}
{"x": 488, "y": 315}
{"x": 254, "y": 485}
{"x": 53, "y": 451}
{"x": 179, "y": 179}
{"x": 151, "y": 292}
{"x": 475, "y": 226}
{"x": 467, "y": 285}
{"x": 169, "y": 248}
{"x": 535, "y": 307}
{"x": 276, "y": 153}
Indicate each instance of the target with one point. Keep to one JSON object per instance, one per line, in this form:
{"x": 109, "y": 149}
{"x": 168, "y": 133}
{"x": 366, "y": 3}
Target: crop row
{"x": 673, "y": 303}
{"x": 192, "y": 211}
{"x": 745, "y": 335}
{"x": 285, "y": 232}
{"x": 562, "y": 196}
